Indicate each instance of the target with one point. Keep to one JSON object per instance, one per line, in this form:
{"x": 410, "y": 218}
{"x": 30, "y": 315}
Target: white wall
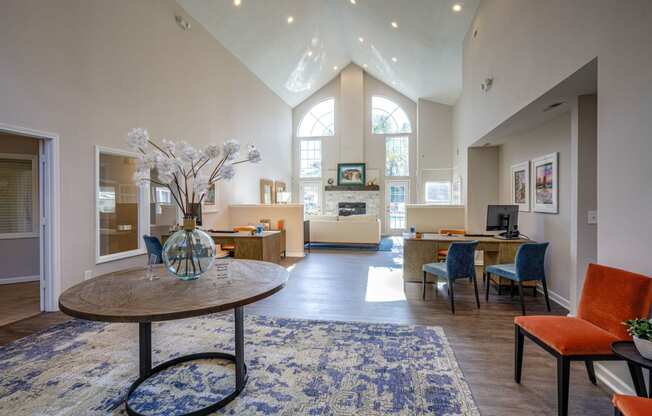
{"x": 529, "y": 46}
{"x": 91, "y": 70}
{"x": 553, "y": 136}
{"x": 483, "y": 185}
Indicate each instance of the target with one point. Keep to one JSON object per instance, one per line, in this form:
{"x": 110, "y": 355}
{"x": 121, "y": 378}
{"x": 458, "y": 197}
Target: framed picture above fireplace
{"x": 351, "y": 174}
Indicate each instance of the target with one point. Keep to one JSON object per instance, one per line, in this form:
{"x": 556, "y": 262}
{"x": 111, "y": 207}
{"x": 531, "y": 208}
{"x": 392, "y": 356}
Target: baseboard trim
{"x": 555, "y": 297}
{"x": 294, "y": 254}
{"x": 613, "y": 382}
{"x": 20, "y": 279}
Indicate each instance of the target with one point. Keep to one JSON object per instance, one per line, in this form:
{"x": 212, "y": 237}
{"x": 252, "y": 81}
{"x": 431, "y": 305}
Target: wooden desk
{"x": 265, "y": 246}
{"x": 419, "y": 251}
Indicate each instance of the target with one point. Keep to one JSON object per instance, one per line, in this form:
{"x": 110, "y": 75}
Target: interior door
{"x": 396, "y": 198}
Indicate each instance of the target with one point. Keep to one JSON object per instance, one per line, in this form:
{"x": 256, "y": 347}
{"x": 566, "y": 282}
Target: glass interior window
{"x": 438, "y": 192}
{"x": 310, "y": 159}
{"x": 387, "y": 117}
{"x": 18, "y": 195}
{"x": 310, "y": 195}
{"x": 319, "y": 121}
{"x": 397, "y": 154}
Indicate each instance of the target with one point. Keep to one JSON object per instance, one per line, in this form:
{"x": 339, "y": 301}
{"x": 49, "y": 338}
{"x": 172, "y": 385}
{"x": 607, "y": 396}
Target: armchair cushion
{"x": 438, "y": 269}
{"x": 632, "y": 406}
{"x": 504, "y": 270}
{"x": 567, "y": 335}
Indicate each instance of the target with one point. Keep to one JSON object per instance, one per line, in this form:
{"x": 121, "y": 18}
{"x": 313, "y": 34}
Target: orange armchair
{"x": 609, "y": 297}
{"x": 631, "y": 406}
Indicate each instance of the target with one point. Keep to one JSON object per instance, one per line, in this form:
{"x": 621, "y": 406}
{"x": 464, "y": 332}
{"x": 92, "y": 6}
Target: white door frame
{"x": 49, "y": 211}
{"x": 388, "y": 229}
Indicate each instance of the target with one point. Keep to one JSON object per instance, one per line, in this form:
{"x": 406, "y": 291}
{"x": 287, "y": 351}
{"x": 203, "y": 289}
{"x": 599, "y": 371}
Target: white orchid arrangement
{"x": 186, "y": 171}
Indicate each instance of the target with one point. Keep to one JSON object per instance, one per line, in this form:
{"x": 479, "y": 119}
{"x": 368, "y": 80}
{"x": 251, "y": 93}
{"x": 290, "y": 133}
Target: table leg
{"x": 145, "y": 346}
{"x": 239, "y": 348}
{"x": 637, "y": 379}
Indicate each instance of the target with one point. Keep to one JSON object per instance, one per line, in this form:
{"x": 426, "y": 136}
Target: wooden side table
{"x": 636, "y": 362}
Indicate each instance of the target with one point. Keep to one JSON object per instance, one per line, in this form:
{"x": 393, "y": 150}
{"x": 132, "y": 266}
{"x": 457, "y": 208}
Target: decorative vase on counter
{"x": 189, "y": 252}
{"x": 644, "y": 347}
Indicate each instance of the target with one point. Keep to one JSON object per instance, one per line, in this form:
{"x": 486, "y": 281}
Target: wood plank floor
{"x": 19, "y": 301}
{"x": 367, "y": 286}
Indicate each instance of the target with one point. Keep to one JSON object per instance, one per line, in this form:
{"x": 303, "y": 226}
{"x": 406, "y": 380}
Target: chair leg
{"x": 475, "y": 287}
{"x": 500, "y": 288}
{"x": 518, "y": 354}
{"x": 545, "y": 293}
{"x": 591, "y": 371}
{"x": 617, "y": 412}
{"x": 486, "y": 288}
{"x": 511, "y": 289}
{"x": 520, "y": 294}
{"x": 423, "y": 290}
{"x": 563, "y": 376}
{"x": 534, "y": 291}
{"x": 637, "y": 379}
{"x": 451, "y": 292}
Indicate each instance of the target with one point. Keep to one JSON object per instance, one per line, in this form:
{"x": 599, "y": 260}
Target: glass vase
{"x": 189, "y": 252}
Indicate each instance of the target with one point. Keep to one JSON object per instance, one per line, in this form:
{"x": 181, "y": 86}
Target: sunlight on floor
{"x": 384, "y": 284}
{"x": 290, "y": 267}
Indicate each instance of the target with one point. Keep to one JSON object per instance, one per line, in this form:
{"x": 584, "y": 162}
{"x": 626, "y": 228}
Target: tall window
{"x": 311, "y": 197}
{"x": 438, "y": 192}
{"x": 319, "y": 121}
{"x": 397, "y": 155}
{"x": 122, "y": 207}
{"x": 310, "y": 158}
{"x": 18, "y": 196}
{"x": 388, "y": 118}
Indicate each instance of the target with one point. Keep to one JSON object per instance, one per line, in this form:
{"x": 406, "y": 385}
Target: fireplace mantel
{"x": 352, "y": 188}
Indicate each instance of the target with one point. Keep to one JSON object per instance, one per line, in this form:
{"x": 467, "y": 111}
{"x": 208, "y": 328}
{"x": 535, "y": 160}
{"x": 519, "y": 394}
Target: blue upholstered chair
{"x": 529, "y": 265}
{"x": 154, "y": 247}
{"x": 460, "y": 263}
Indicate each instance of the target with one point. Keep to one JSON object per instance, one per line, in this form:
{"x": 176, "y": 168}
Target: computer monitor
{"x": 503, "y": 218}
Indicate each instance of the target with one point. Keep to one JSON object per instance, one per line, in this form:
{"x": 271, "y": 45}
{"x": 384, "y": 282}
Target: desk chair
{"x": 631, "y": 405}
{"x": 529, "y": 265}
{"x": 154, "y": 247}
{"x": 609, "y": 297}
{"x": 441, "y": 254}
{"x": 459, "y": 264}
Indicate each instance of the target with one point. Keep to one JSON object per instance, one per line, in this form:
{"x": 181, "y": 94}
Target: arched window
{"x": 320, "y": 120}
{"x": 388, "y": 118}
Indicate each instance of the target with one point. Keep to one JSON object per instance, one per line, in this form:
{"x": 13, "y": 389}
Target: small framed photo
{"x": 546, "y": 184}
{"x": 210, "y": 200}
{"x": 351, "y": 174}
{"x": 520, "y": 174}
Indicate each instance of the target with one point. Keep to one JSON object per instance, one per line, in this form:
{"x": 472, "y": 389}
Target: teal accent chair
{"x": 530, "y": 259}
{"x": 460, "y": 263}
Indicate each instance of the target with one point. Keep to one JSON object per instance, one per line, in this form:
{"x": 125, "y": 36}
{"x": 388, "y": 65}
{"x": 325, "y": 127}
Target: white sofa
{"x": 354, "y": 229}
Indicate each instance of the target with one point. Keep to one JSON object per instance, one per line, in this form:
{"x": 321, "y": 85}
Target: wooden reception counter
{"x": 419, "y": 251}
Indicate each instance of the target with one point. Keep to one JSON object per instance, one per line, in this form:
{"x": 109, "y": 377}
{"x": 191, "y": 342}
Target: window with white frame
{"x": 438, "y": 192}
{"x": 18, "y": 196}
{"x": 122, "y": 206}
{"x": 387, "y": 117}
{"x": 310, "y": 193}
{"x": 310, "y": 158}
{"x": 397, "y": 156}
{"x": 319, "y": 121}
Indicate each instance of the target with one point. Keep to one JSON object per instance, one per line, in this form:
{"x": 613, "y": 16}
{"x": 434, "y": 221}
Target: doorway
{"x": 27, "y": 222}
{"x": 396, "y": 198}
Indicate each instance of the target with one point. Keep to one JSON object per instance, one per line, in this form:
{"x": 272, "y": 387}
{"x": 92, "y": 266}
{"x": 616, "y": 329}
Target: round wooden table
{"x": 636, "y": 362}
{"x": 130, "y": 296}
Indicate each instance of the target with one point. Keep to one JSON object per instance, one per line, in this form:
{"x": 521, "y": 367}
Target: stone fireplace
{"x": 351, "y": 208}
{"x": 334, "y": 199}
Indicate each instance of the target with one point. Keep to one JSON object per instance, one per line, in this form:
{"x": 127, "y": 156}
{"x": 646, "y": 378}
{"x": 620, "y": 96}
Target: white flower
{"x": 168, "y": 145}
{"x": 165, "y": 178}
{"x": 137, "y": 138}
{"x": 141, "y": 177}
{"x": 166, "y": 169}
{"x": 231, "y": 149}
{"x": 253, "y": 154}
{"x": 212, "y": 151}
{"x": 226, "y": 172}
{"x": 187, "y": 153}
{"x": 200, "y": 185}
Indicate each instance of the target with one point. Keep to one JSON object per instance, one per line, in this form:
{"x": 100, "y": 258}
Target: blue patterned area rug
{"x": 296, "y": 367}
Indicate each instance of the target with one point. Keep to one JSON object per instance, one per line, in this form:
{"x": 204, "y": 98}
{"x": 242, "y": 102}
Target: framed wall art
{"x": 546, "y": 184}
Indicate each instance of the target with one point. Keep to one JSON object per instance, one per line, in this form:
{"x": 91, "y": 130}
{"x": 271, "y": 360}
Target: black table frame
{"x": 636, "y": 370}
{"x": 146, "y": 370}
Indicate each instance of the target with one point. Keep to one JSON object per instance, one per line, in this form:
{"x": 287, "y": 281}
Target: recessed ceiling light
{"x": 237, "y": 2}
{"x": 361, "y": 39}
{"x": 457, "y": 7}
{"x": 352, "y": 1}
{"x": 394, "y": 59}
{"x": 393, "y": 82}
{"x": 290, "y": 19}
{"x": 309, "y": 53}
{"x": 395, "y": 25}
{"x": 365, "y": 66}
{"x": 335, "y": 68}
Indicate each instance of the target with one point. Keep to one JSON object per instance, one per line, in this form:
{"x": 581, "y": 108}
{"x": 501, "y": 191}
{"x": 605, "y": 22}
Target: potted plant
{"x": 641, "y": 331}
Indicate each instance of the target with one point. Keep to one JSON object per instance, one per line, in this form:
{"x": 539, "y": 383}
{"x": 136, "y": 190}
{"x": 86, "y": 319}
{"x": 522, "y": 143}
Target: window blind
{"x": 16, "y": 196}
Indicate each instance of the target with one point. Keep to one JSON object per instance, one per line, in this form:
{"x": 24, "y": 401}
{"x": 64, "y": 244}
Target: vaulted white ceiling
{"x": 296, "y": 59}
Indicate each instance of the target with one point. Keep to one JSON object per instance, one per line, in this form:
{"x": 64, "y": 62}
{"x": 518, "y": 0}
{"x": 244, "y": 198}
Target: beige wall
{"x": 483, "y": 184}
{"x": 553, "y": 136}
{"x": 432, "y": 218}
{"x": 434, "y": 144}
{"x": 91, "y": 70}
{"x": 292, "y": 214}
{"x": 529, "y": 46}
{"x": 19, "y": 257}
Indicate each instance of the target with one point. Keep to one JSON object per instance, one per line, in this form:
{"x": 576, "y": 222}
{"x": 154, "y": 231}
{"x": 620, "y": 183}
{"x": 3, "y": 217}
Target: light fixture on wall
{"x": 486, "y": 84}
{"x": 183, "y": 23}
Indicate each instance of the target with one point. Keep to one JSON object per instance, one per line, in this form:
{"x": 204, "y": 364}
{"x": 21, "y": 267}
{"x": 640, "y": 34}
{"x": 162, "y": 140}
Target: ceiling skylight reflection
{"x": 305, "y": 73}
